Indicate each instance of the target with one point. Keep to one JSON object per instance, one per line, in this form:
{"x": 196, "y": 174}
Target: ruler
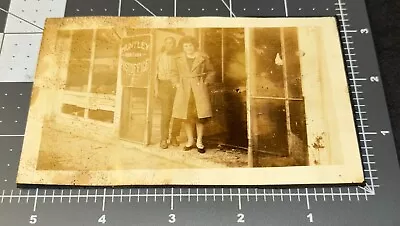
{"x": 374, "y": 203}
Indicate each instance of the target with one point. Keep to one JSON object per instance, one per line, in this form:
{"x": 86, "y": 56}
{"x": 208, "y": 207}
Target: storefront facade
{"x": 261, "y": 98}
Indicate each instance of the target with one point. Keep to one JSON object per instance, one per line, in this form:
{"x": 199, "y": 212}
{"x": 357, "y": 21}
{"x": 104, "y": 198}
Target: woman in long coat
{"x": 192, "y": 101}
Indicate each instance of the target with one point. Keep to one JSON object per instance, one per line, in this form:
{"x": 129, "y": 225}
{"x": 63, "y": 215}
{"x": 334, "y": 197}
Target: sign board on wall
{"x": 136, "y": 60}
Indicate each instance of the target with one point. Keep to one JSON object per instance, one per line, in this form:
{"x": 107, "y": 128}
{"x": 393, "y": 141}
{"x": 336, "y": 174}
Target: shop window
{"x": 73, "y": 110}
{"x": 277, "y": 105}
{"x": 101, "y": 115}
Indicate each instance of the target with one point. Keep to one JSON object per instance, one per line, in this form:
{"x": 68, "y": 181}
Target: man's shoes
{"x": 174, "y": 142}
{"x": 164, "y": 144}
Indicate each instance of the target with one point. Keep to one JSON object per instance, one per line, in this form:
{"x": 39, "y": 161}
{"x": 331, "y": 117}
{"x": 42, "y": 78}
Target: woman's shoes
{"x": 200, "y": 148}
{"x": 186, "y": 148}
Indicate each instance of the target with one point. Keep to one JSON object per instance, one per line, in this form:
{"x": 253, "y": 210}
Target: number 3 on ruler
{"x": 172, "y": 218}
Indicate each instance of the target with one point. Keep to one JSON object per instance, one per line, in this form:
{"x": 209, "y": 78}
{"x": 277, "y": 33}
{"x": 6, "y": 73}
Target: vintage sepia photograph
{"x": 190, "y": 101}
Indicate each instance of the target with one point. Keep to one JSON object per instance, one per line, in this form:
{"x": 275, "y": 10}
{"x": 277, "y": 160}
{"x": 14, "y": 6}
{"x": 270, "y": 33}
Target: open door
{"x": 135, "y": 71}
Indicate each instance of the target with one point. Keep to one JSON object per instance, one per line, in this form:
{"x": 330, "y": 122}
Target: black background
{"x": 384, "y": 18}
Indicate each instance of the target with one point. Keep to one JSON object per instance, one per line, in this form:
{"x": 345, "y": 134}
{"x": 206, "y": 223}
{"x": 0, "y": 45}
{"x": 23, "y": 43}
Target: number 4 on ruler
{"x": 102, "y": 219}
{"x": 384, "y": 132}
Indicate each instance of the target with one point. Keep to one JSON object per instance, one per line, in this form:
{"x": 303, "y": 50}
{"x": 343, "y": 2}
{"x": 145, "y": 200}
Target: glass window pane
{"x": 104, "y": 78}
{"x": 299, "y": 132}
{"x": 73, "y": 110}
{"x": 212, "y": 45}
{"x": 101, "y": 115}
{"x": 292, "y": 63}
{"x": 78, "y": 75}
{"x": 81, "y": 46}
{"x": 268, "y": 126}
{"x": 107, "y": 44}
{"x": 267, "y": 56}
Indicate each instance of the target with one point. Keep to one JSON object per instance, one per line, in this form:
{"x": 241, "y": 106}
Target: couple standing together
{"x": 181, "y": 85}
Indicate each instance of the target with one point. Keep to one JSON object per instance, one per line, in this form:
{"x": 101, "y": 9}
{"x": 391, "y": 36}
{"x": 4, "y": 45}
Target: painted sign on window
{"x": 136, "y": 67}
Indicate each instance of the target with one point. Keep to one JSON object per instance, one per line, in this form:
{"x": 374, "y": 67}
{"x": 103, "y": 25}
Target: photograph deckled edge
{"x": 350, "y": 172}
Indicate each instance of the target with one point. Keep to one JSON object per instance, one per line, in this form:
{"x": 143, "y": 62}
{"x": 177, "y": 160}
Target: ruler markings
{"x": 45, "y": 194}
{"x": 340, "y": 194}
{"x": 357, "y": 99}
{"x": 333, "y": 197}
{"x": 197, "y": 195}
{"x": 11, "y": 196}
{"x": 79, "y": 195}
{"x": 281, "y": 194}
{"x": 286, "y": 8}
{"x": 52, "y": 196}
{"x": 290, "y": 195}
{"x": 323, "y": 192}
{"x": 205, "y": 196}
{"x": 69, "y": 197}
{"x": 256, "y": 195}
{"x": 230, "y": 191}
{"x": 27, "y": 197}
{"x": 130, "y": 195}
{"x": 214, "y": 194}
{"x": 163, "y": 197}
{"x": 308, "y": 199}
{"x": 122, "y": 193}
{"x": 155, "y": 194}
{"x": 273, "y": 195}
{"x": 62, "y": 195}
{"x": 315, "y": 194}
{"x": 95, "y": 197}
{"x": 180, "y": 194}
{"x": 239, "y": 199}
{"x": 87, "y": 195}
{"x": 2, "y": 197}
{"x": 104, "y": 200}
{"x": 147, "y": 195}
{"x": 298, "y": 194}
{"x": 200, "y": 195}
{"x": 247, "y": 195}
{"x": 138, "y": 195}
{"x": 265, "y": 196}
{"x": 222, "y": 196}
{"x": 348, "y": 190}
{"x": 19, "y": 196}
{"x": 357, "y": 194}
{"x": 119, "y": 7}
{"x": 172, "y": 198}
{"x": 189, "y": 195}
{"x": 35, "y": 202}
{"x": 112, "y": 196}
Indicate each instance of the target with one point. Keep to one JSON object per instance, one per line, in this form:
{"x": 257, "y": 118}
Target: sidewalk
{"x": 65, "y": 151}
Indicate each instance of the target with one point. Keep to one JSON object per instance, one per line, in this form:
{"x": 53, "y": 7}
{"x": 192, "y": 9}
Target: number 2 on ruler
{"x": 374, "y": 78}
{"x": 310, "y": 217}
{"x": 240, "y": 217}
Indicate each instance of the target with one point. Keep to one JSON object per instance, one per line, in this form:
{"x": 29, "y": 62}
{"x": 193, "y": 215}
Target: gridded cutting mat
{"x": 375, "y": 203}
